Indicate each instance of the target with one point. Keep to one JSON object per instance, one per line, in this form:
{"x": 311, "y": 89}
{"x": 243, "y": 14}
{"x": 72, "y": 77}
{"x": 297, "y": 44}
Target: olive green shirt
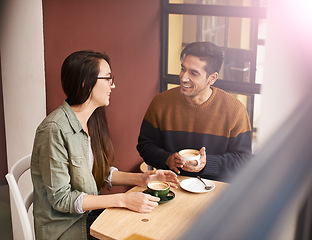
{"x": 60, "y": 172}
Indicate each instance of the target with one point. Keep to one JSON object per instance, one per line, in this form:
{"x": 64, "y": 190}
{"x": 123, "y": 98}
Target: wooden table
{"x": 168, "y": 221}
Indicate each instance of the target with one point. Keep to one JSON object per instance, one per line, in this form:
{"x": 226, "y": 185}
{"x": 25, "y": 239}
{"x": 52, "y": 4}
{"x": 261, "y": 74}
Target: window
{"x": 238, "y": 26}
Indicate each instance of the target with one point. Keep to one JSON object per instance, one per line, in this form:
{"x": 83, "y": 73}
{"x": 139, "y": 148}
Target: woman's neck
{"x": 83, "y": 113}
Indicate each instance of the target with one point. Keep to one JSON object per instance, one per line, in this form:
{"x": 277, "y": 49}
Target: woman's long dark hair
{"x": 78, "y": 76}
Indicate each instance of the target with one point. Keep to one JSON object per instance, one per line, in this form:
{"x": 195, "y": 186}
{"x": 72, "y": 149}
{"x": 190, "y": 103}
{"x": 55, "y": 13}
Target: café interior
{"x": 267, "y": 66}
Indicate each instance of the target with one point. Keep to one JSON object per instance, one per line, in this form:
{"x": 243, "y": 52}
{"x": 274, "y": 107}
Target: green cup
{"x": 158, "y": 189}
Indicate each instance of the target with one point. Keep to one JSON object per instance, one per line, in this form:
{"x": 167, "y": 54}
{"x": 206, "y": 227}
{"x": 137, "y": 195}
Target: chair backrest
{"x": 20, "y": 167}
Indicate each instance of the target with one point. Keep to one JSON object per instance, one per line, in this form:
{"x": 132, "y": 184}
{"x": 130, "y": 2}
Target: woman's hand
{"x": 139, "y": 202}
{"x": 160, "y": 175}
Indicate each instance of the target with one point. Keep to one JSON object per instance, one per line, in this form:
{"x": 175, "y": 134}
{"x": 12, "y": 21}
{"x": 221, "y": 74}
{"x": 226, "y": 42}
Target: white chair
{"x": 20, "y": 167}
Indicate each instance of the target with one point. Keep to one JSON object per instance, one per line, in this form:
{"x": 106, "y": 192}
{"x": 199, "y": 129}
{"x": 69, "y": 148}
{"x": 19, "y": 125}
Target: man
{"x": 199, "y": 116}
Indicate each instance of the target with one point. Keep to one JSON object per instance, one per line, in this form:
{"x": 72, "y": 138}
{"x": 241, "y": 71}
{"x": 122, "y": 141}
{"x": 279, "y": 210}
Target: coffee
{"x": 158, "y": 189}
{"x": 190, "y": 155}
{"x": 158, "y": 186}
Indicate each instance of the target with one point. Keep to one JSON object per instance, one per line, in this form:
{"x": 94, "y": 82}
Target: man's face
{"x": 193, "y": 77}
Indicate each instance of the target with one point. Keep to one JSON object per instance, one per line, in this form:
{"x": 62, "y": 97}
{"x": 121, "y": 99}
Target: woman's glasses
{"x": 109, "y": 79}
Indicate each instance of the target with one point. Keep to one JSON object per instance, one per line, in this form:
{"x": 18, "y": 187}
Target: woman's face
{"x": 101, "y": 91}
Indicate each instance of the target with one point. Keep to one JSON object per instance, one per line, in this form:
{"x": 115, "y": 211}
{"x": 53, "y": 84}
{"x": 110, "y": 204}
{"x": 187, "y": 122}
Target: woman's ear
{"x": 212, "y": 78}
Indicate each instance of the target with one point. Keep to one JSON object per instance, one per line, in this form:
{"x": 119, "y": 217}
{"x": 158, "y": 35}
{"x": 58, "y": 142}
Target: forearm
{"x": 136, "y": 201}
{"x": 233, "y": 158}
{"x": 156, "y": 158}
{"x": 120, "y": 178}
{"x": 92, "y": 202}
{"x": 223, "y": 166}
{"x": 153, "y": 155}
{"x": 150, "y": 146}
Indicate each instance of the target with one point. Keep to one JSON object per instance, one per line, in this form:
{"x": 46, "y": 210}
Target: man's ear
{"x": 213, "y": 78}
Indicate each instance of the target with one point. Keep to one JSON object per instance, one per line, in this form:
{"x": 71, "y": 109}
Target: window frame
{"x": 254, "y": 12}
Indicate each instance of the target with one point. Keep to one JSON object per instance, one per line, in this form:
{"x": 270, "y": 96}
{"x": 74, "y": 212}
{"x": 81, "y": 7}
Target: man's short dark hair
{"x": 205, "y": 51}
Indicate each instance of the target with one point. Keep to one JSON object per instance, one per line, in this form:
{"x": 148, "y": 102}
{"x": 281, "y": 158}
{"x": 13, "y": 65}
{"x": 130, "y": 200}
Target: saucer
{"x": 196, "y": 186}
{"x": 168, "y": 198}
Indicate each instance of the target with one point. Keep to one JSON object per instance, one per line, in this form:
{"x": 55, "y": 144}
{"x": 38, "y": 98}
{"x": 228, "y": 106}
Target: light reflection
{"x": 301, "y": 10}
{"x": 295, "y": 27}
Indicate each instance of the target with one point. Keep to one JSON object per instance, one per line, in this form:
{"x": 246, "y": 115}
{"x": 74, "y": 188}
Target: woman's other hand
{"x": 139, "y": 202}
{"x": 160, "y": 175}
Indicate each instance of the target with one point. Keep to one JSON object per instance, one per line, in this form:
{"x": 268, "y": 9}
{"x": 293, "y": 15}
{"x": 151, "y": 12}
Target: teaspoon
{"x": 206, "y": 187}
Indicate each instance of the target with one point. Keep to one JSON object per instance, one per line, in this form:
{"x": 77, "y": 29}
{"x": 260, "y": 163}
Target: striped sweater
{"x": 221, "y": 124}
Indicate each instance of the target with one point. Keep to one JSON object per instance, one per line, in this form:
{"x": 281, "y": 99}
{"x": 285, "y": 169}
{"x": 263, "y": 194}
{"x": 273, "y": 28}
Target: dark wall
{"x": 129, "y": 32}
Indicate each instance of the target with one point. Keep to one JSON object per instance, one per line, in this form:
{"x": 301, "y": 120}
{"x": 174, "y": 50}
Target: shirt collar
{"x": 72, "y": 118}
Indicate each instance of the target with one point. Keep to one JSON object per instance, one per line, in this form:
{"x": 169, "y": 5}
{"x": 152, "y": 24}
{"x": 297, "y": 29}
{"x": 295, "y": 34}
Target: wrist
{"x": 137, "y": 179}
{"x": 168, "y": 161}
{"x": 121, "y": 200}
{"x": 142, "y": 180}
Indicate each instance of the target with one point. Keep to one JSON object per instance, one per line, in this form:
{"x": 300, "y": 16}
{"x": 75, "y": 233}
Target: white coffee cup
{"x": 190, "y": 155}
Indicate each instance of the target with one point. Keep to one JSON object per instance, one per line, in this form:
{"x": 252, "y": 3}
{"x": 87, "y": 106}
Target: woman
{"x": 72, "y": 155}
